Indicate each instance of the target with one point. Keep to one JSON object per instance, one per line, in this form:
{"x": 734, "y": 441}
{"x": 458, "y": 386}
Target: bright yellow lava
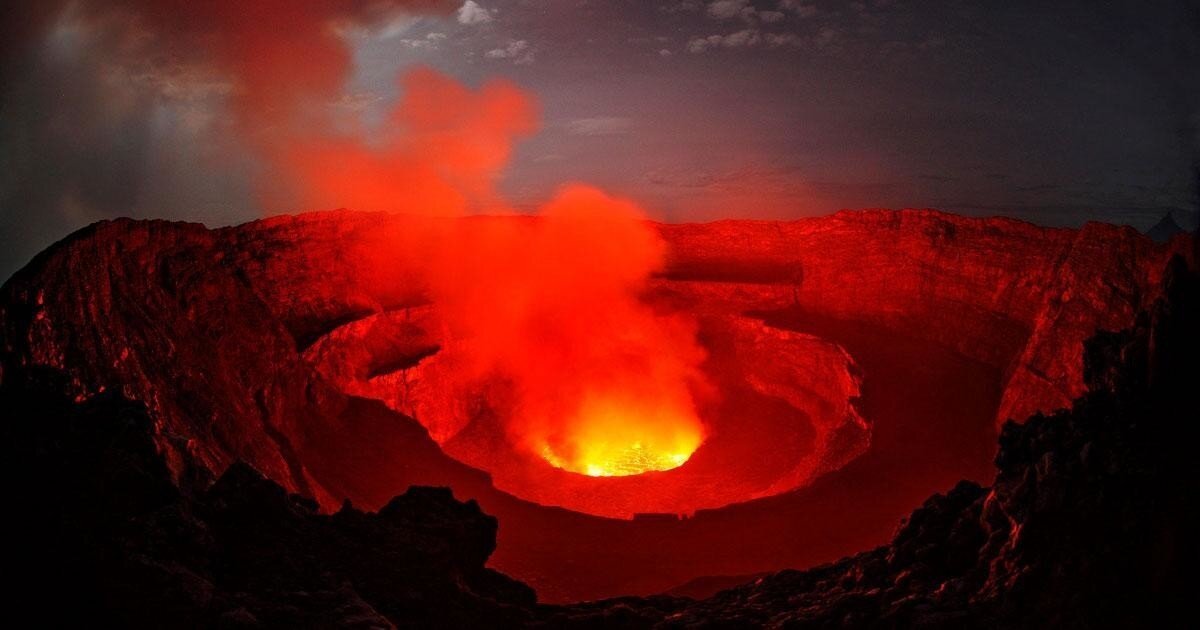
{"x": 630, "y": 460}
{"x": 608, "y": 442}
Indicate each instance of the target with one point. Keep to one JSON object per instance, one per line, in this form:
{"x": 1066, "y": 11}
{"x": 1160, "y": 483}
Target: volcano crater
{"x": 858, "y": 362}
{"x": 778, "y": 410}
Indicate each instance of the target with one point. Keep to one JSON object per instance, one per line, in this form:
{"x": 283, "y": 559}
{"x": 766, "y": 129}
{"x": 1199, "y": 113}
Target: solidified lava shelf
{"x": 859, "y": 361}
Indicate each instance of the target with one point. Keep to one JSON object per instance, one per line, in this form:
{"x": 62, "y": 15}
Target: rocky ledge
{"x": 1091, "y": 521}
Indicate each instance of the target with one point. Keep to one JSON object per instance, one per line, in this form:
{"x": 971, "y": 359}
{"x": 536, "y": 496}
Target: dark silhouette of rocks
{"x": 105, "y": 535}
{"x": 203, "y": 327}
{"x": 1091, "y": 522}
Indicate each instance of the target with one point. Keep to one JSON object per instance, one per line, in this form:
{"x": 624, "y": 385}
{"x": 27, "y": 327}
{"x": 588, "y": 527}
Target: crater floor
{"x": 780, "y": 411}
{"x": 952, "y": 325}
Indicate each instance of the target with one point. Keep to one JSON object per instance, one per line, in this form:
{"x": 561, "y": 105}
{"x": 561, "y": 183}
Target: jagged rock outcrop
{"x": 204, "y": 325}
{"x": 1004, "y": 292}
{"x": 209, "y": 329}
{"x": 105, "y": 535}
{"x": 157, "y": 312}
{"x": 1089, "y": 523}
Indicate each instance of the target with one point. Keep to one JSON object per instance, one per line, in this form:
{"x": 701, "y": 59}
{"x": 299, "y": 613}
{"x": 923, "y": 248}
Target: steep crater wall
{"x": 218, "y": 332}
{"x": 781, "y": 414}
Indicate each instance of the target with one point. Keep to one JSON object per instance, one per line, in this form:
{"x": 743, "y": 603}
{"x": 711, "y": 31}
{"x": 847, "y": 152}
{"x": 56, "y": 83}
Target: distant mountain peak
{"x": 1165, "y": 229}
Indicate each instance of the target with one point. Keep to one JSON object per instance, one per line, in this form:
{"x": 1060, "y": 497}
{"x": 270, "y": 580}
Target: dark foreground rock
{"x": 101, "y": 534}
{"x": 957, "y": 323}
{"x": 1091, "y": 522}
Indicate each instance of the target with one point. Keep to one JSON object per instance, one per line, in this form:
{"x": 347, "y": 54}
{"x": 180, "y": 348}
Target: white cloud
{"x": 393, "y": 26}
{"x": 396, "y": 26}
{"x": 726, "y": 9}
{"x": 741, "y": 39}
{"x": 518, "y": 50}
{"x": 599, "y": 126}
{"x": 750, "y": 37}
{"x": 430, "y": 41}
{"x": 783, "y": 40}
{"x": 730, "y": 9}
{"x": 471, "y": 13}
{"x": 701, "y": 44}
{"x": 664, "y": 53}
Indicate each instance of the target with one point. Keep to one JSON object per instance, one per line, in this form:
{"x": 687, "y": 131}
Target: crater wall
{"x": 210, "y": 329}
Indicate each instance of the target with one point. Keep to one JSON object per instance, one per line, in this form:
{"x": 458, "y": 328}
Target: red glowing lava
{"x": 613, "y": 438}
{"x": 602, "y": 383}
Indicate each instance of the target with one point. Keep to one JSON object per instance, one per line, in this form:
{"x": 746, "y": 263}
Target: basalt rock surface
{"x": 222, "y": 335}
{"x": 205, "y": 326}
{"x": 1090, "y": 522}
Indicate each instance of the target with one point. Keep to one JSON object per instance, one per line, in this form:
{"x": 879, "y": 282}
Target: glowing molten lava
{"x": 601, "y": 383}
{"x": 613, "y": 439}
{"x": 548, "y": 309}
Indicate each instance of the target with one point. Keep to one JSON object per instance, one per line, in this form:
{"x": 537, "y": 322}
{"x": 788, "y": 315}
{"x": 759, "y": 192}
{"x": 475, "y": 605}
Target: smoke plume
{"x": 439, "y": 152}
{"x": 604, "y": 384}
{"x": 162, "y": 108}
{"x": 551, "y": 305}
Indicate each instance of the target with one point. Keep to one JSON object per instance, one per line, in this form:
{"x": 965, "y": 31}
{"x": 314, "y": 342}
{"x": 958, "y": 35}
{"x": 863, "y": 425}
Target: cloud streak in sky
{"x": 517, "y": 50}
{"x": 600, "y": 126}
{"x": 471, "y": 13}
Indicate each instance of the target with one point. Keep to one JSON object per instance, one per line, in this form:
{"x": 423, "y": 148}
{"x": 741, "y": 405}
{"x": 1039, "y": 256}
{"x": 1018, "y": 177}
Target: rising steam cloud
{"x": 440, "y": 151}
{"x": 552, "y": 305}
{"x": 604, "y": 384}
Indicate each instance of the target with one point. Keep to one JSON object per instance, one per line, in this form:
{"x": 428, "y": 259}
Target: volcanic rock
{"x": 106, "y": 536}
{"x": 221, "y": 335}
{"x": 1090, "y": 522}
